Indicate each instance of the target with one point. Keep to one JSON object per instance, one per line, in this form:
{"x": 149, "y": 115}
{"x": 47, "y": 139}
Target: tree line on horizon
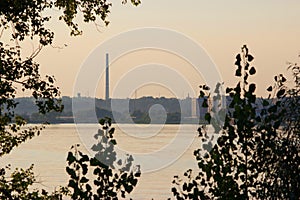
{"x": 177, "y": 111}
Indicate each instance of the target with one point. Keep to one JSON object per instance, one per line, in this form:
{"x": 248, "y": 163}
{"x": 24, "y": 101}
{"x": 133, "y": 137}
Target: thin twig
{"x": 2, "y": 31}
{"x": 98, "y": 26}
{"x": 36, "y": 52}
{"x": 15, "y": 81}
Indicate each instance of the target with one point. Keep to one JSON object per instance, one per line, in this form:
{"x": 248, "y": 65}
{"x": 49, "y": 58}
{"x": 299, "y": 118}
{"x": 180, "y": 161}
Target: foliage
{"x": 112, "y": 177}
{"x": 27, "y": 20}
{"x": 257, "y": 153}
{"x": 284, "y": 164}
{"x": 17, "y": 186}
{"x": 21, "y": 21}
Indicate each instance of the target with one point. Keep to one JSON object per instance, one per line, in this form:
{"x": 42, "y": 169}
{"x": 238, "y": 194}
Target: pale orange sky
{"x": 270, "y": 28}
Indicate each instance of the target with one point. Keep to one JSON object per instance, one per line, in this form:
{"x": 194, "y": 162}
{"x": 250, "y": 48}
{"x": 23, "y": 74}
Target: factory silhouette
{"x": 138, "y": 110}
{"x": 176, "y": 110}
{"x": 188, "y": 110}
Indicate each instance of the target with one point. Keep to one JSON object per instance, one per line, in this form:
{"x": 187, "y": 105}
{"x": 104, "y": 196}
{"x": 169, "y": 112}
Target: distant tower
{"x": 107, "y": 78}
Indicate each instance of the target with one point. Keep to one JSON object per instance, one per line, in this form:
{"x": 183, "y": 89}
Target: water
{"x": 49, "y": 150}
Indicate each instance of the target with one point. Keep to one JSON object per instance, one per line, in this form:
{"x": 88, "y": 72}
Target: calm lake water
{"x": 162, "y": 150}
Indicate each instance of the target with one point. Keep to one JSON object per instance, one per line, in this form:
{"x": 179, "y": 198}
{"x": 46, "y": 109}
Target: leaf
{"x": 102, "y": 121}
{"x": 207, "y": 117}
{"x": 71, "y": 172}
{"x": 84, "y": 169}
{"x": 119, "y": 162}
{"x": 184, "y": 187}
{"x": 238, "y": 72}
{"x": 252, "y": 88}
{"x": 265, "y": 103}
{"x": 88, "y": 187}
{"x": 252, "y": 71}
{"x": 277, "y": 124}
{"x": 270, "y": 88}
{"x": 83, "y": 158}
{"x": 72, "y": 184}
{"x": 283, "y": 79}
{"x": 114, "y": 142}
{"x": 228, "y": 90}
{"x": 111, "y": 131}
{"x": 250, "y": 57}
{"x": 134, "y": 182}
{"x": 202, "y": 94}
{"x": 247, "y": 66}
{"x": 50, "y": 79}
{"x": 94, "y": 162}
{"x": 84, "y": 180}
{"x": 238, "y": 57}
{"x": 205, "y": 87}
{"x": 109, "y": 121}
{"x": 70, "y": 158}
{"x": 204, "y": 104}
{"x": 280, "y": 93}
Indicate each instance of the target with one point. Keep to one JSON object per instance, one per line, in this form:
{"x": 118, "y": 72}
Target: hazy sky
{"x": 270, "y": 28}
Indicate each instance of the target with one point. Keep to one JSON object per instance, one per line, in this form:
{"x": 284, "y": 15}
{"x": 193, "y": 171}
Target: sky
{"x": 270, "y": 29}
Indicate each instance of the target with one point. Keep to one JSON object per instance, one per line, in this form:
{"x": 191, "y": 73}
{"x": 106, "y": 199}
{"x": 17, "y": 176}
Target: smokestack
{"x": 107, "y": 78}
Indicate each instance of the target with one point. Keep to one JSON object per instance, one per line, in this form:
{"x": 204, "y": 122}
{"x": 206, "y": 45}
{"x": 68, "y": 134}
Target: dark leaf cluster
{"x": 111, "y": 177}
{"x": 257, "y": 153}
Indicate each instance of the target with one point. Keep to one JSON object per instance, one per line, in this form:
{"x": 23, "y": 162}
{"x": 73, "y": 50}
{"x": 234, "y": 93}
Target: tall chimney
{"x": 107, "y": 78}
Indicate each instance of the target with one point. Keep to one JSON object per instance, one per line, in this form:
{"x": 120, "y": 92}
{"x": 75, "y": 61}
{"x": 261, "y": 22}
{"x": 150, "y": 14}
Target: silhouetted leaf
{"x": 202, "y": 94}
{"x": 207, "y": 117}
{"x": 252, "y": 71}
{"x": 102, "y": 121}
{"x": 228, "y": 90}
{"x": 283, "y": 79}
{"x": 280, "y": 93}
{"x": 84, "y": 180}
{"x": 250, "y": 57}
{"x": 70, "y": 158}
{"x": 252, "y": 88}
{"x": 114, "y": 142}
{"x": 270, "y": 88}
